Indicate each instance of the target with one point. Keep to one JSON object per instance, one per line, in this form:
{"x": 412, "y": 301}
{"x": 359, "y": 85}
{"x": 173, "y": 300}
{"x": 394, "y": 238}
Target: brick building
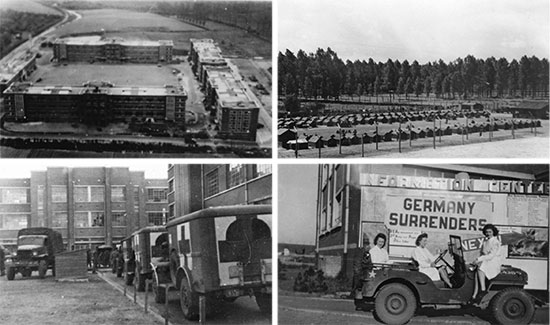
{"x": 97, "y": 48}
{"x": 94, "y": 102}
{"x": 194, "y": 187}
{"x": 87, "y": 205}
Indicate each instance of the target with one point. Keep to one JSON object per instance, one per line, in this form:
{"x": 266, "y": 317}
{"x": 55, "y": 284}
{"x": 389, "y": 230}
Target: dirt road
{"x": 35, "y": 301}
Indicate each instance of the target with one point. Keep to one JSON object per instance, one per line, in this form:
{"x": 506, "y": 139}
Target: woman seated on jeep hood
{"x": 426, "y": 261}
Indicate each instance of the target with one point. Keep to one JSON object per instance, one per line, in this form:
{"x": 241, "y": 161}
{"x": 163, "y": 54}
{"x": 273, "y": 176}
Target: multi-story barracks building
{"x": 235, "y": 108}
{"x": 17, "y": 70}
{"x": 204, "y": 53}
{"x": 89, "y": 206}
{"x": 195, "y": 187}
{"x": 98, "y": 48}
{"x": 94, "y": 102}
{"x": 356, "y": 202}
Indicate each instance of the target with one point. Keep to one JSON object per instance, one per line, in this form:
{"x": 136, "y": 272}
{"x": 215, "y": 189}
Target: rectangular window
{"x": 97, "y": 219}
{"x": 236, "y": 174}
{"x": 156, "y": 194}
{"x": 59, "y": 194}
{"x": 80, "y": 193}
{"x": 263, "y": 169}
{"x": 59, "y": 220}
{"x": 119, "y": 218}
{"x": 81, "y": 220}
{"x": 155, "y": 218}
{"x": 171, "y": 186}
{"x": 172, "y": 211}
{"x": 97, "y": 193}
{"x": 13, "y": 221}
{"x": 211, "y": 183}
{"x": 118, "y": 193}
{"x": 14, "y": 195}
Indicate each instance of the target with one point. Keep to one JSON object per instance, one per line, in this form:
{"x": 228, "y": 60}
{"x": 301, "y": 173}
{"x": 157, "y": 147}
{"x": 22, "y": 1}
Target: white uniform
{"x": 425, "y": 259}
{"x": 490, "y": 259}
{"x": 378, "y": 255}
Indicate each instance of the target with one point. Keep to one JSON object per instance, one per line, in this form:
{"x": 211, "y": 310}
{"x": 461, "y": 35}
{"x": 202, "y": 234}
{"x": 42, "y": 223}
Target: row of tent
{"x": 349, "y": 120}
{"x": 288, "y": 137}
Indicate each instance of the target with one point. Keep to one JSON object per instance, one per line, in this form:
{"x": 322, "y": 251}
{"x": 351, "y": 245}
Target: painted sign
{"x": 451, "y": 184}
{"x": 437, "y": 213}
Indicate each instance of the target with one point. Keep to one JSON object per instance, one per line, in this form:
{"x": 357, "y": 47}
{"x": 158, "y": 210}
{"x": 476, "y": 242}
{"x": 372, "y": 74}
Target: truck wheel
{"x": 395, "y": 304}
{"x": 189, "y": 300}
{"x": 264, "y": 302}
{"x": 42, "y": 269}
{"x": 512, "y": 306}
{"x": 11, "y": 273}
{"x": 160, "y": 293}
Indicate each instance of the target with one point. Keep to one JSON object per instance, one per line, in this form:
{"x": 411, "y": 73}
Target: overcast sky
{"x": 422, "y": 30}
{"x": 297, "y": 203}
{"x": 21, "y": 168}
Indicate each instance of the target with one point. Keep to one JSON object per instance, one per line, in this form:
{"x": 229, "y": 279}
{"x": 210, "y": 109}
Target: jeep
{"x": 397, "y": 290}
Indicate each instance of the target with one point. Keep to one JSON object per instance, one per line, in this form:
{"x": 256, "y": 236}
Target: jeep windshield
{"x": 31, "y": 240}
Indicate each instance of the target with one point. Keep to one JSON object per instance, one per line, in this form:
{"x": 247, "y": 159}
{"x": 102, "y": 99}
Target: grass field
{"x": 117, "y": 20}
{"x": 28, "y": 6}
{"x": 127, "y": 74}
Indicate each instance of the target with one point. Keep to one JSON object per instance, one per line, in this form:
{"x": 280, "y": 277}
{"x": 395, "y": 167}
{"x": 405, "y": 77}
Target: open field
{"x": 121, "y": 75}
{"x": 502, "y": 146}
{"x": 28, "y": 6}
{"x": 113, "y": 20}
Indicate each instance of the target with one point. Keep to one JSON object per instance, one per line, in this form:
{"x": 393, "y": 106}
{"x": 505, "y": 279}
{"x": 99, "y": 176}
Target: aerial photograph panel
{"x": 413, "y": 79}
{"x": 135, "y": 79}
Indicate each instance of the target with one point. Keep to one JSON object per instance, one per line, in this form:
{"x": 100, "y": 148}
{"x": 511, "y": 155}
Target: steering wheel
{"x": 440, "y": 258}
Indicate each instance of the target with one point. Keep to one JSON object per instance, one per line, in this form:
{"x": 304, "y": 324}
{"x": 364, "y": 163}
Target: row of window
{"x": 236, "y": 175}
{"x": 82, "y": 219}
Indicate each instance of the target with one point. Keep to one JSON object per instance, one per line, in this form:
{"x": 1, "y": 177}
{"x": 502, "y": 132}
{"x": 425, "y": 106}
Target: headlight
{"x": 8, "y": 260}
{"x": 35, "y": 253}
{"x": 14, "y": 253}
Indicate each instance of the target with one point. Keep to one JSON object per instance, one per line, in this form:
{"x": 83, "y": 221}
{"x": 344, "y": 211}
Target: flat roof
{"x": 8, "y": 70}
{"x": 78, "y": 90}
{"x": 231, "y": 90}
{"x": 207, "y": 51}
{"x": 98, "y": 40}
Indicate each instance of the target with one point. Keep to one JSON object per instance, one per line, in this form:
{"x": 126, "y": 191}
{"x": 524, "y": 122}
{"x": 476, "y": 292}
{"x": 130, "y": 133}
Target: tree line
{"x": 324, "y": 75}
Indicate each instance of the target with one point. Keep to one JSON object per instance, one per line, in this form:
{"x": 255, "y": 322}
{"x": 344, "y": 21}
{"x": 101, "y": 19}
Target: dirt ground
{"x": 35, "y": 301}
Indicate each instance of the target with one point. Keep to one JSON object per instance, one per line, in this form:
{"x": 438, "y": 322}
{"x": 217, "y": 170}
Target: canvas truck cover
{"x": 55, "y": 237}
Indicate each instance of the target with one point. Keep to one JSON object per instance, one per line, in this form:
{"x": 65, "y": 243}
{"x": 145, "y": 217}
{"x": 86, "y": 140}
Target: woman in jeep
{"x": 426, "y": 261}
{"x": 489, "y": 261}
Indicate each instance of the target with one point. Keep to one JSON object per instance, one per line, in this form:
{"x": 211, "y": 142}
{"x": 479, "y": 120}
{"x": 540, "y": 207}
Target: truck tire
{"x": 395, "y": 304}
{"x": 11, "y": 273}
{"x": 512, "y": 306}
{"x": 189, "y": 300}
{"x": 264, "y": 302}
{"x": 42, "y": 269}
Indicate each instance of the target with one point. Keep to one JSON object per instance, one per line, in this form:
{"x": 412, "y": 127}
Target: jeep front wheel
{"x": 42, "y": 269}
{"x": 11, "y": 273}
{"x": 512, "y": 306}
{"x": 395, "y": 304}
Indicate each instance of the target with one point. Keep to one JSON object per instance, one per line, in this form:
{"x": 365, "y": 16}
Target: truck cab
{"x": 36, "y": 250}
